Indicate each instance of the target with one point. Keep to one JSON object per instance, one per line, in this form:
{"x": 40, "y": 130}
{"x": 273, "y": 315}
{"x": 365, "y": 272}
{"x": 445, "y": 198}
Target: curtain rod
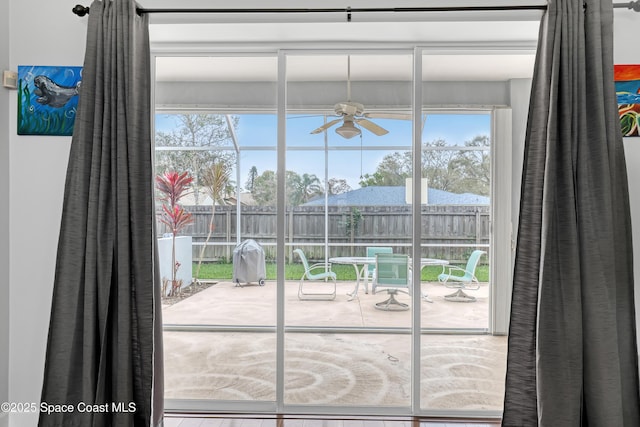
{"x": 83, "y": 10}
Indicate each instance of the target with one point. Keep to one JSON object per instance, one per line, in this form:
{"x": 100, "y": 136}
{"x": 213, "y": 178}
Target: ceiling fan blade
{"x": 372, "y": 127}
{"x": 326, "y": 126}
{"x": 396, "y": 116}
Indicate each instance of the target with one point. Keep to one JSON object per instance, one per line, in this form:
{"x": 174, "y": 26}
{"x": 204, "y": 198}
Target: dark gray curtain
{"x": 104, "y": 344}
{"x": 572, "y": 357}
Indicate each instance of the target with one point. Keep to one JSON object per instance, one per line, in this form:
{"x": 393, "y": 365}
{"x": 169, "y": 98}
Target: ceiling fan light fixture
{"x": 348, "y": 130}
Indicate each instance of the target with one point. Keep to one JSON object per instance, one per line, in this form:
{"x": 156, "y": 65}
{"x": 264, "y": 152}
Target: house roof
{"x": 395, "y": 196}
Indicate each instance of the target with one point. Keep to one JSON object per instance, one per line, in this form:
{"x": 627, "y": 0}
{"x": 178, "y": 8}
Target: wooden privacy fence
{"x": 349, "y": 230}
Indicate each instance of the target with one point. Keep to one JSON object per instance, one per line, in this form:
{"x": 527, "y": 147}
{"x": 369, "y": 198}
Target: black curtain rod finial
{"x": 632, "y": 5}
{"x": 80, "y": 10}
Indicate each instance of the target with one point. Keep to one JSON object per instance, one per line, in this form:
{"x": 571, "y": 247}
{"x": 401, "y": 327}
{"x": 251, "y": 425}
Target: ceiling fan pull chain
{"x": 349, "y": 78}
{"x": 361, "y": 157}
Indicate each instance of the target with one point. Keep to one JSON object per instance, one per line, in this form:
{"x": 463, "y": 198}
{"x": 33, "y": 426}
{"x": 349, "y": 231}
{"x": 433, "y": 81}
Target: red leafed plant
{"x": 175, "y": 218}
{"x": 173, "y": 187}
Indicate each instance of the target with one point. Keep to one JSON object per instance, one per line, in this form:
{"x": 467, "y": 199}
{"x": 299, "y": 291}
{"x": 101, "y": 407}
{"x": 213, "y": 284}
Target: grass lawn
{"x": 221, "y": 271}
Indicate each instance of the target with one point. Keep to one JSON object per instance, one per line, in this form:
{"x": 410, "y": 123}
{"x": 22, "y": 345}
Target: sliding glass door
{"x": 338, "y": 254}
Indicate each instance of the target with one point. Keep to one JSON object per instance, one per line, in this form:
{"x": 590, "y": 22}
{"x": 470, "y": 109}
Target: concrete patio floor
{"x": 332, "y": 368}
{"x": 228, "y": 304}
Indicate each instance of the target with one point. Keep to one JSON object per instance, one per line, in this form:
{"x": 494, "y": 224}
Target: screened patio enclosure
{"x": 427, "y": 173}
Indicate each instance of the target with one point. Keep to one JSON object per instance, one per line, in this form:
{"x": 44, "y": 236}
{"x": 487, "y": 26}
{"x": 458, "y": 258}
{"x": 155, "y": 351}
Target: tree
{"x": 216, "y": 183}
{"x": 437, "y": 166}
{"x": 299, "y": 188}
{"x": 302, "y": 188}
{"x": 476, "y": 165}
{"x": 391, "y": 171}
{"x": 264, "y": 189}
{"x": 337, "y": 186}
{"x": 251, "y": 180}
{"x": 445, "y": 167}
{"x": 193, "y": 132}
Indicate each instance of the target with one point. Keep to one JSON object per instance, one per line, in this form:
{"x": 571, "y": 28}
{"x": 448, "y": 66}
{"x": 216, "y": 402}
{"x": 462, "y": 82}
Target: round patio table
{"x": 361, "y": 265}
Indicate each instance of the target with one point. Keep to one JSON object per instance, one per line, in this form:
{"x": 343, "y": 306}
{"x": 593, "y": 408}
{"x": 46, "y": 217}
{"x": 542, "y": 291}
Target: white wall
{"x": 626, "y": 26}
{"x": 4, "y": 213}
{"x": 38, "y": 167}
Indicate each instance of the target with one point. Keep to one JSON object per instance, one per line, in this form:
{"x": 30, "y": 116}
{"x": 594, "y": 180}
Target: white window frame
{"x": 503, "y": 225}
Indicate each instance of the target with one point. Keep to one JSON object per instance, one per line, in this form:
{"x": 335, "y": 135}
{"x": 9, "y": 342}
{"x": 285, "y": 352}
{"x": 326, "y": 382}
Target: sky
{"x": 260, "y": 130}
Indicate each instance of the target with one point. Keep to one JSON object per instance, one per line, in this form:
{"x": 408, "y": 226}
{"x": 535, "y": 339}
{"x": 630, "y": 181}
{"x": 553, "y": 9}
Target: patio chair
{"x": 324, "y": 274}
{"x": 371, "y": 253}
{"x": 392, "y": 273}
{"x": 462, "y": 278}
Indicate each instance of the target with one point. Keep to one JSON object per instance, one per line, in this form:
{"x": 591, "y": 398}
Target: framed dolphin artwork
{"x": 47, "y": 99}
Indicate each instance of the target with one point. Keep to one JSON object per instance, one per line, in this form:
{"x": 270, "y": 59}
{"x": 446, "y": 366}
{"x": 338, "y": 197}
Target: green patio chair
{"x": 462, "y": 278}
{"x": 392, "y": 273}
{"x": 371, "y": 253}
{"x": 324, "y": 273}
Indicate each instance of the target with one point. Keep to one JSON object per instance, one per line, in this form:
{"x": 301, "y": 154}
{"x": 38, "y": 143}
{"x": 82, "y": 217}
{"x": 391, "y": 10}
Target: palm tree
{"x": 216, "y": 181}
{"x": 310, "y": 186}
{"x": 304, "y": 187}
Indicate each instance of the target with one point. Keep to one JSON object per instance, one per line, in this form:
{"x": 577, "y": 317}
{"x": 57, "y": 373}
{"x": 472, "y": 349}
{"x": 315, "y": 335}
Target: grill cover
{"x": 248, "y": 263}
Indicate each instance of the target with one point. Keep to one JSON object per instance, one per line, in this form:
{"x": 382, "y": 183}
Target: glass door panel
{"x": 341, "y": 349}
{"x": 221, "y": 317}
{"x": 456, "y": 160}
{"x": 461, "y": 365}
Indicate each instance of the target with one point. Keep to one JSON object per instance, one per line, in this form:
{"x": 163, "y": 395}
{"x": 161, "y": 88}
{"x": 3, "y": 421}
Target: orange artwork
{"x": 627, "y": 82}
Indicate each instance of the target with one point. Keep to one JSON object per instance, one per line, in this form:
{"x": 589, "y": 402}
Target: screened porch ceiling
{"x": 464, "y": 46}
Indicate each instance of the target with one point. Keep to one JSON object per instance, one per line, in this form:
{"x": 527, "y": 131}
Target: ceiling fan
{"x": 352, "y": 113}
